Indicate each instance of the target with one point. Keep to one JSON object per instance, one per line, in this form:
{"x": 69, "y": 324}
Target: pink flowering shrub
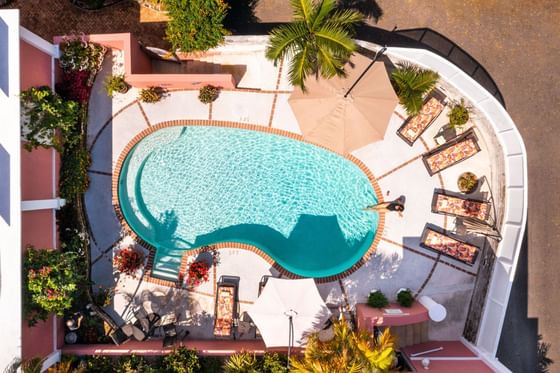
{"x": 128, "y": 261}
{"x": 51, "y": 284}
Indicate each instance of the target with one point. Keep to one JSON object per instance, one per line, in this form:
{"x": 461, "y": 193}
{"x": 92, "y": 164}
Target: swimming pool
{"x": 184, "y": 187}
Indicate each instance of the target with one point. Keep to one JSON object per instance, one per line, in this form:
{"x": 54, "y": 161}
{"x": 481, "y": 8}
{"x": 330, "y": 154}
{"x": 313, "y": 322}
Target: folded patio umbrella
{"x": 340, "y": 123}
{"x": 281, "y": 299}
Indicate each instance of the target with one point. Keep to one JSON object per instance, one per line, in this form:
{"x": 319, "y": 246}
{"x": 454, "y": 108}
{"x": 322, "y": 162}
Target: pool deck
{"x": 398, "y": 260}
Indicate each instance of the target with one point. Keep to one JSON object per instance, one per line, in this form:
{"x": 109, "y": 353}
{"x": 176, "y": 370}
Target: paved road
{"x": 518, "y": 42}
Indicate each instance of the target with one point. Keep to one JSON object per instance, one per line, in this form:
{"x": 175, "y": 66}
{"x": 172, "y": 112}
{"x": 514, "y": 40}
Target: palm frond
{"x": 300, "y": 67}
{"x": 346, "y": 19}
{"x": 303, "y": 10}
{"x": 285, "y": 40}
{"x": 321, "y": 11}
{"x": 412, "y": 84}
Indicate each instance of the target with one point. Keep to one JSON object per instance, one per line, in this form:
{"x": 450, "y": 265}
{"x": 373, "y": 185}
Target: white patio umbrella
{"x": 287, "y": 311}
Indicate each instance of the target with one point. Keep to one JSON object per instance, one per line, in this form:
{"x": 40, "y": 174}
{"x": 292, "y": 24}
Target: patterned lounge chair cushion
{"x": 415, "y": 126}
{"x": 449, "y": 246}
{"x": 453, "y": 154}
{"x": 461, "y": 207}
{"x": 224, "y": 311}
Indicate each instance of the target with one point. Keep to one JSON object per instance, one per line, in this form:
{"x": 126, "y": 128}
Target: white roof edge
{"x": 516, "y": 192}
{"x": 38, "y": 42}
{"x": 10, "y": 187}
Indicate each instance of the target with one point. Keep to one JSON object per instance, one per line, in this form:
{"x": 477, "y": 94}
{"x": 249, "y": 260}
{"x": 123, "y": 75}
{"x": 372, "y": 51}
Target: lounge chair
{"x": 413, "y": 127}
{"x": 460, "y": 207}
{"x": 225, "y": 310}
{"x": 449, "y": 246}
{"x": 457, "y": 150}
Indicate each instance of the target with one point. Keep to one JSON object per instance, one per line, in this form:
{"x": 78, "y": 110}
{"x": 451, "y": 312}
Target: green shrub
{"x": 181, "y": 360}
{"x": 74, "y": 179}
{"x": 134, "y": 364}
{"x": 99, "y": 364}
{"x": 467, "y": 182}
{"x": 405, "y": 298}
{"x": 77, "y": 54}
{"x": 242, "y": 362}
{"x": 377, "y": 299}
{"x": 458, "y": 115}
{"x": 211, "y": 364}
{"x": 412, "y": 84}
{"x": 51, "y": 283}
{"x": 115, "y": 84}
{"x": 151, "y": 95}
{"x": 44, "y": 113}
{"x": 208, "y": 94}
{"x": 195, "y": 25}
{"x": 274, "y": 363}
{"x": 71, "y": 234}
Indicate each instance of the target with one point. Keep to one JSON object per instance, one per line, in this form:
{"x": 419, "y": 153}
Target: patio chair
{"x": 449, "y": 246}
{"x": 225, "y": 310}
{"x": 452, "y": 152}
{"x": 119, "y": 337}
{"x": 460, "y": 207}
{"x": 413, "y": 127}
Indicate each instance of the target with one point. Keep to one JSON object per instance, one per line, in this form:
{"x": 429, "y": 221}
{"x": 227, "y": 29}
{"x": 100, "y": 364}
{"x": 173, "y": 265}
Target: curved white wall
{"x": 515, "y": 168}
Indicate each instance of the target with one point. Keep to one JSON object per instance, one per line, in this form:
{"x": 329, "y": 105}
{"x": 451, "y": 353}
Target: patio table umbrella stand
{"x": 346, "y": 113}
{"x": 287, "y": 311}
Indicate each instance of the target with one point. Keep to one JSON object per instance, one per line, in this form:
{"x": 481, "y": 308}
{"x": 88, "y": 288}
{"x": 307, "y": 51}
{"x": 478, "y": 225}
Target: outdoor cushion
{"x": 224, "y": 311}
{"x": 449, "y": 246}
{"x": 461, "y": 207}
{"x": 413, "y": 127}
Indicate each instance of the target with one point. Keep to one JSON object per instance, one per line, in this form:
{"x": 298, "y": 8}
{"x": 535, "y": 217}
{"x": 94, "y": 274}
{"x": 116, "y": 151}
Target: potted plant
{"x": 151, "y": 95}
{"x": 467, "y": 182}
{"x": 458, "y": 115}
{"x": 115, "y": 84}
{"x": 405, "y": 297}
{"x": 208, "y": 94}
{"x": 198, "y": 273}
{"x": 128, "y": 260}
{"x": 377, "y": 299}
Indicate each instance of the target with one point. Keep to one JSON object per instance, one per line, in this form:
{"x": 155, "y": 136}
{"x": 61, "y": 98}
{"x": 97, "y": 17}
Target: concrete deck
{"x": 398, "y": 262}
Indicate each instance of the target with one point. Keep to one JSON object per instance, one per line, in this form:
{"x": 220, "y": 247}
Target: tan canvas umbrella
{"x": 341, "y": 123}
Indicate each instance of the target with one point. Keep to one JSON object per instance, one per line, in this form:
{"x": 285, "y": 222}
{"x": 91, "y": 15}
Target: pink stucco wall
{"x": 451, "y": 349}
{"x": 138, "y": 66}
{"x": 37, "y": 173}
{"x": 35, "y": 67}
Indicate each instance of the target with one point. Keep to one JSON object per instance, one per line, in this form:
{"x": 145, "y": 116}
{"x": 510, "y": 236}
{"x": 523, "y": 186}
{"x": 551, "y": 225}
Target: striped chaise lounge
{"x": 414, "y": 126}
{"x": 460, "y": 207}
{"x": 452, "y": 152}
{"x": 449, "y": 246}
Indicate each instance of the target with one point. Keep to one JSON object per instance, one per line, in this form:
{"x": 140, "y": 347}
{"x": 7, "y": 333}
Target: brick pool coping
{"x": 237, "y": 245}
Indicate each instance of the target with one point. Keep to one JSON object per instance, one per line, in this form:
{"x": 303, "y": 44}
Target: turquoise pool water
{"x": 185, "y": 187}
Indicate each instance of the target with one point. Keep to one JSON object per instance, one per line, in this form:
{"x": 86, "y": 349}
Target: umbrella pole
{"x": 377, "y": 54}
{"x": 290, "y": 315}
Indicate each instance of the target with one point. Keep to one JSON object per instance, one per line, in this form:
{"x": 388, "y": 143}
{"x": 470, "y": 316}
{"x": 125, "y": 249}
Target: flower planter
{"x": 467, "y": 182}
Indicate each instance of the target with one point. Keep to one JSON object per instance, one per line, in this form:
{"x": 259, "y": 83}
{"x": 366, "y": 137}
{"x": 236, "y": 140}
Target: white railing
{"x": 515, "y": 215}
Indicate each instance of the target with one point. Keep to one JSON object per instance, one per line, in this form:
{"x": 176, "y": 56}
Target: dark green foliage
{"x": 74, "y": 179}
{"x": 211, "y": 364}
{"x": 181, "y": 360}
{"x": 274, "y": 363}
{"x": 134, "y": 364}
{"x": 77, "y": 55}
{"x": 196, "y": 25}
{"x": 318, "y": 42}
{"x": 44, "y": 113}
{"x": 208, "y": 94}
{"x": 71, "y": 236}
{"x": 99, "y": 364}
{"x": 458, "y": 115}
{"x": 412, "y": 84}
{"x": 377, "y": 299}
{"x": 51, "y": 283}
{"x": 405, "y": 298}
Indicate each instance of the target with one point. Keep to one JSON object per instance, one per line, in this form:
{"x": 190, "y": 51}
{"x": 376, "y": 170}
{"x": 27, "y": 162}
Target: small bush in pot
{"x": 467, "y": 182}
{"x": 377, "y": 299}
{"x": 405, "y": 298}
{"x": 115, "y": 84}
{"x": 208, "y": 94}
{"x": 198, "y": 273}
{"x": 151, "y": 95}
{"x": 458, "y": 115}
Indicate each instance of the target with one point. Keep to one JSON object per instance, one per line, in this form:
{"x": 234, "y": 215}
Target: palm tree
{"x": 411, "y": 84}
{"x": 348, "y": 352}
{"x": 319, "y": 41}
